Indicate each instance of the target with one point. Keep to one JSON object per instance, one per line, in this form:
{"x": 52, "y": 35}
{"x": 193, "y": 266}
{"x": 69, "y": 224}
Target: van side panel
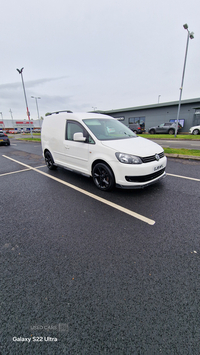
{"x": 53, "y": 135}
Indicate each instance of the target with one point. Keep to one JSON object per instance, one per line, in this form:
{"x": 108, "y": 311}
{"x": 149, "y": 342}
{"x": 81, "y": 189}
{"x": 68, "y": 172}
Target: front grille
{"x": 151, "y": 158}
{"x": 145, "y": 178}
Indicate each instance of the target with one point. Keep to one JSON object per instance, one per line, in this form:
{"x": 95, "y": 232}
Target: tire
{"x": 49, "y": 161}
{"x": 103, "y": 177}
{"x": 195, "y": 132}
{"x": 152, "y": 131}
{"x": 171, "y": 131}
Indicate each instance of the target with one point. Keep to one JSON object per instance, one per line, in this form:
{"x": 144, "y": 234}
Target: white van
{"x": 100, "y": 146}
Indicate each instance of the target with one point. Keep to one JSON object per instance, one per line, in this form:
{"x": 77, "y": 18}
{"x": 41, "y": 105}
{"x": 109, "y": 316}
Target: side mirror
{"x": 78, "y": 137}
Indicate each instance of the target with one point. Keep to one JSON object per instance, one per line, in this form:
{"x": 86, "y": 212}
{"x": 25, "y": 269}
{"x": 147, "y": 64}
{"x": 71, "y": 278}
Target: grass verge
{"x": 182, "y": 151}
{"x": 29, "y": 139}
{"x": 171, "y": 136}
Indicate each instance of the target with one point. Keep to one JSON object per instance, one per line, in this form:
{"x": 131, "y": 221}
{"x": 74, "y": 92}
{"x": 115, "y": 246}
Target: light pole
{"x": 11, "y": 117}
{"x": 189, "y": 36}
{"x": 36, "y": 98}
{"x": 27, "y": 110}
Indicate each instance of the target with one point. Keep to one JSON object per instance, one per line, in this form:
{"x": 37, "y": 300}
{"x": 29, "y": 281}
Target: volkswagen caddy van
{"x": 103, "y": 148}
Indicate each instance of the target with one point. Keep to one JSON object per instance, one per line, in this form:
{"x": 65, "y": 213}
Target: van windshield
{"x": 105, "y": 129}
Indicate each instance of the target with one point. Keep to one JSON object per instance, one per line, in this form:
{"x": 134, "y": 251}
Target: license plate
{"x": 158, "y": 167}
{"x": 1, "y": 140}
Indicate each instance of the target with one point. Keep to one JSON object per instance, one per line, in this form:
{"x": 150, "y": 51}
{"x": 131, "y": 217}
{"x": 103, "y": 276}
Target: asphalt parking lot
{"x": 87, "y": 272}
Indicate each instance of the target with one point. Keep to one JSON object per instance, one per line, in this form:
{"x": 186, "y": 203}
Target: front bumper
{"x": 138, "y": 176}
{"x": 138, "y": 186}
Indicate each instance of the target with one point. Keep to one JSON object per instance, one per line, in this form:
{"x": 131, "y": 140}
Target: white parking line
{"x": 183, "y": 177}
{"x": 111, "y": 204}
{"x": 20, "y": 171}
{"x": 15, "y": 172}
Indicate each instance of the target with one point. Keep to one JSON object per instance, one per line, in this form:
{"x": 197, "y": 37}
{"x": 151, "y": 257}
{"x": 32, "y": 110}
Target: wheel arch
{"x": 47, "y": 150}
{"x": 103, "y": 162}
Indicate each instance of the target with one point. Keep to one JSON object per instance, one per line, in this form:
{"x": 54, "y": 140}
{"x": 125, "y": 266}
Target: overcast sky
{"x": 104, "y": 54}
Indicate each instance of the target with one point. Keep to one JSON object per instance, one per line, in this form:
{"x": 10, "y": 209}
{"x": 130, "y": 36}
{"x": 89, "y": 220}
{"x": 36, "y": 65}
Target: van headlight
{"x": 128, "y": 158}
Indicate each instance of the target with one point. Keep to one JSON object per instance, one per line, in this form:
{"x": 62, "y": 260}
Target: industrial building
{"x": 154, "y": 115}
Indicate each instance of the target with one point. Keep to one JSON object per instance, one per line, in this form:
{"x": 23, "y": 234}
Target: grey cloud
{"x": 29, "y": 83}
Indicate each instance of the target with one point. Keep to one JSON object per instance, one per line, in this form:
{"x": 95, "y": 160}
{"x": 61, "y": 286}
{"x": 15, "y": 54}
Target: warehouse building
{"x": 154, "y": 115}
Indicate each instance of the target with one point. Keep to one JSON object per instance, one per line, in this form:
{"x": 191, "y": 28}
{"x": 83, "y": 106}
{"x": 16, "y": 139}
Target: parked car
{"x": 4, "y": 138}
{"x": 195, "y": 130}
{"x": 168, "y": 127}
{"x": 100, "y": 146}
{"x": 136, "y": 128}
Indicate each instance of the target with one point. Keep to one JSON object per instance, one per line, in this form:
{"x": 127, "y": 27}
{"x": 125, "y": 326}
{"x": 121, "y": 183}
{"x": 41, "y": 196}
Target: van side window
{"x": 75, "y": 127}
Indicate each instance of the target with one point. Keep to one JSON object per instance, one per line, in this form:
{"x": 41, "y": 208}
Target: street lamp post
{"x": 27, "y": 110}
{"x": 11, "y": 117}
{"x": 189, "y": 36}
{"x": 36, "y": 98}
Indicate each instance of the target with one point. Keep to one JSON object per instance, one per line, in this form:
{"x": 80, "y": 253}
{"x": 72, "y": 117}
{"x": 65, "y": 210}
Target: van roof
{"x": 78, "y": 115}
{"x": 56, "y": 112}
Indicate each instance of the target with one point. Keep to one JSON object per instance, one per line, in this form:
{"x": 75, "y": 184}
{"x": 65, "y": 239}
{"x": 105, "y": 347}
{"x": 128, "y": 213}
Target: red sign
{"x": 24, "y": 122}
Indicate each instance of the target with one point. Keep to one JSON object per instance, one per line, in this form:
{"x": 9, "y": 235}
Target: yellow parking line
{"x": 100, "y": 199}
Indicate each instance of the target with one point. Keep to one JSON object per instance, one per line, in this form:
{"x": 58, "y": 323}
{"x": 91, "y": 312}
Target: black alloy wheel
{"x": 49, "y": 161}
{"x": 103, "y": 177}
